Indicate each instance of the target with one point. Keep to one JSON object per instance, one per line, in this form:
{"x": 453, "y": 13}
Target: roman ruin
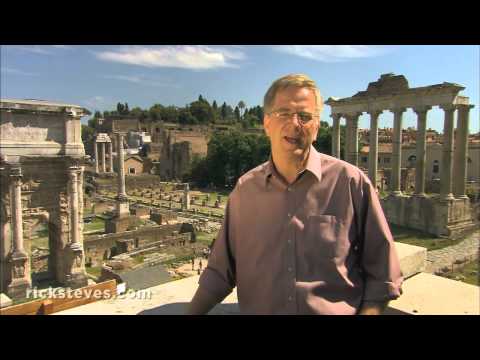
{"x": 41, "y": 175}
{"x": 445, "y": 215}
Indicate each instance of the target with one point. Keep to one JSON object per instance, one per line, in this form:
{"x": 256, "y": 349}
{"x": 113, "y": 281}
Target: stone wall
{"x": 102, "y": 247}
{"x": 438, "y": 217}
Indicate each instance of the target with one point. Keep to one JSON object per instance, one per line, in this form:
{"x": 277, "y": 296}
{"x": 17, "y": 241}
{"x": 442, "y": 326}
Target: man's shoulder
{"x": 253, "y": 175}
{"x": 337, "y": 167}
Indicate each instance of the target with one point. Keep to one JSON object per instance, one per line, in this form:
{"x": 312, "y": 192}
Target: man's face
{"x": 289, "y": 136}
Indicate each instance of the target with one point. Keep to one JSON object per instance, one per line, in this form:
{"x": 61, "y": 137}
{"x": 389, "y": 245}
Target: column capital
{"x": 421, "y": 109}
{"x": 447, "y": 107}
{"x": 336, "y": 116}
{"x": 16, "y": 173}
{"x": 464, "y": 107}
{"x": 375, "y": 113}
{"x": 398, "y": 109}
{"x": 353, "y": 116}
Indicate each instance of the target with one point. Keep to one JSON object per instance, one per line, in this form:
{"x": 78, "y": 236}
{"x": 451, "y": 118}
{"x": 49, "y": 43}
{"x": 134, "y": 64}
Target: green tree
{"x": 223, "y": 111}
{"x": 241, "y": 106}
{"x": 202, "y": 111}
{"x": 237, "y": 113}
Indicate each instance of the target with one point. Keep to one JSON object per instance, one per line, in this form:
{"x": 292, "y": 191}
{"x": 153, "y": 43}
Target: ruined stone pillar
{"x": 110, "y": 157}
{"x": 373, "y": 148}
{"x": 95, "y": 146}
{"x": 421, "y": 149}
{"x": 348, "y": 135}
{"x": 104, "y": 164}
{"x": 121, "y": 168}
{"x": 336, "y": 135}
{"x": 186, "y": 197}
{"x": 447, "y": 152}
{"x": 461, "y": 151}
{"x": 396, "y": 175}
{"x": 352, "y": 138}
{"x": 19, "y": 260}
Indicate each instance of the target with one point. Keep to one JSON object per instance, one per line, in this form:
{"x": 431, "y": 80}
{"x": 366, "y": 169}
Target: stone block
{"x": 427, "y": 294}
{"x": 5, "y": 301}
{"x": 413, "y": 259}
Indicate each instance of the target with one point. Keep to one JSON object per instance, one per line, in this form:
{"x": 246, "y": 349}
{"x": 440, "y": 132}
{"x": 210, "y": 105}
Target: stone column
{"x": 73, "y": 199}
{"x": 110, "y": 156}
{"x": 421, "y": 149}
{"x": 336, "y": 135}
{"x": 352, "y": 138}
{"x": 461, "y": 151}
{"x": 104, "y": 165}
{"x": 373, "y": 148}
{"x": 348, "y": 135}
{"x": 121, "y": 166}
{"x": 396, "y": 174}
{"x": 447, "y": 152}
{"x": 20, "y": 266}
{"x": 186, "y": 197}
{"x": 96, "y": 156}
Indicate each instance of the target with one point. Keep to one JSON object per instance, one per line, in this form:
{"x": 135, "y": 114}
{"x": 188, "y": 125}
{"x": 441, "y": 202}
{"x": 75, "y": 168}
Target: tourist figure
{"x": 317, "y": 242}
{"x": 193, "y": 263}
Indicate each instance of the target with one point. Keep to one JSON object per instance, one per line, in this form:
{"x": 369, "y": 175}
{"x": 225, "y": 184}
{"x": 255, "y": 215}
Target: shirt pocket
{"x": 322, "y": 236}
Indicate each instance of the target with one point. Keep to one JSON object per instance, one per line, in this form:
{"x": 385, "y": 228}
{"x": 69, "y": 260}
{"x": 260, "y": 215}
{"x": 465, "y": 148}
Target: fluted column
{"x": 336, "y": 135}
{"x": 121, "y": 168}
{"x": 104, "y": 165}
{"x": 373, "y": 147}
{"x": 447, "y": 152}
{"x": 74, "y": 211}
{"x": 96, "y": 156}
{"x": 110, "y": 157}
{"x": 18, "y": 258}
{"x": 396, "y": 175}
{"x": 421, "y": 149}
{"x": 461, "y": 151}
{"x": 16, "y": 210}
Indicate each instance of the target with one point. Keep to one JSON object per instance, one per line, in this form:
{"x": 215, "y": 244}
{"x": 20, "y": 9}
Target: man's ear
{"x": 266, "y": 124}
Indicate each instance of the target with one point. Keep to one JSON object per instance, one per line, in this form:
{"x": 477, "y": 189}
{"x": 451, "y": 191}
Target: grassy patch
{"x": 96, "y": 225}
{"x": 205, "y": 238}
{"x": 468, "y": 273}
{"x": 418, "y": 238}
{"x": 94, "y": 270}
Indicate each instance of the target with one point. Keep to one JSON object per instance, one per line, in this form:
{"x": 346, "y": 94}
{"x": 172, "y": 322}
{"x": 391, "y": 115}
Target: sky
{"x": 97, "y": 76}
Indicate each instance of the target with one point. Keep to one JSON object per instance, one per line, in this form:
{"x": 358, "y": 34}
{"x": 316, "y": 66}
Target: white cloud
{"x": 333, "y": 53}
{"x": 97, "y": 102}
{"x": 40, "y": 49}
{"x": 139, "y": 79}
{"x": 12, "y": 71}
{"x": 63, "y": 47}
{"x": 184, "y": 56}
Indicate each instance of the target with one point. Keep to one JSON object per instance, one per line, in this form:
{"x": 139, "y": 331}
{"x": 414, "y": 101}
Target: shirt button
{"x": 290, "y": 298}
{"x": 289, "y": 215}
{"x": 289, "y": 189}
{"x": 289, "y": 241}
{"x": 290, "y": 269}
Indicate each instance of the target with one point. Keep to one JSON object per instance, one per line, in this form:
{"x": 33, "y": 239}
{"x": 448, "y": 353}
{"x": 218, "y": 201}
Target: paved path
{"x": 468, "y": 248}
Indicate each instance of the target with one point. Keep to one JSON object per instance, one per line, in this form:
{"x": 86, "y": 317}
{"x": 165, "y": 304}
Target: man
{"x": 304, "y": 233}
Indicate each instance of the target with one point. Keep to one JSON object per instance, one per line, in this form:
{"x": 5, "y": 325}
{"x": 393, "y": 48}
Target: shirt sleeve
{"x": 379, "y": 259}
{"x": 218, "y": 278}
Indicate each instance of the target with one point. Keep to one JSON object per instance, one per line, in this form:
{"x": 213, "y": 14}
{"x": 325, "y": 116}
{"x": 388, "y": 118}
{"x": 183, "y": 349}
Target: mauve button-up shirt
{"x": 321, "y": 245}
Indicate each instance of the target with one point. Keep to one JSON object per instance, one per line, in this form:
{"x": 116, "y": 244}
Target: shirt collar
{"x": 314, "y": 165}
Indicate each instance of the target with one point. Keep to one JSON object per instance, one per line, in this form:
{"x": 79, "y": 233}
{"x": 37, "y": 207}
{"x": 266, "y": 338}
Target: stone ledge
{"x": 413, "y": 259}
{"x": 427, "y": 294}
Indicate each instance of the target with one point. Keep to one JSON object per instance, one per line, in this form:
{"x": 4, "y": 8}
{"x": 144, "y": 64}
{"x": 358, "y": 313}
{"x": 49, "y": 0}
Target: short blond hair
{"x": 291, "y": 80}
